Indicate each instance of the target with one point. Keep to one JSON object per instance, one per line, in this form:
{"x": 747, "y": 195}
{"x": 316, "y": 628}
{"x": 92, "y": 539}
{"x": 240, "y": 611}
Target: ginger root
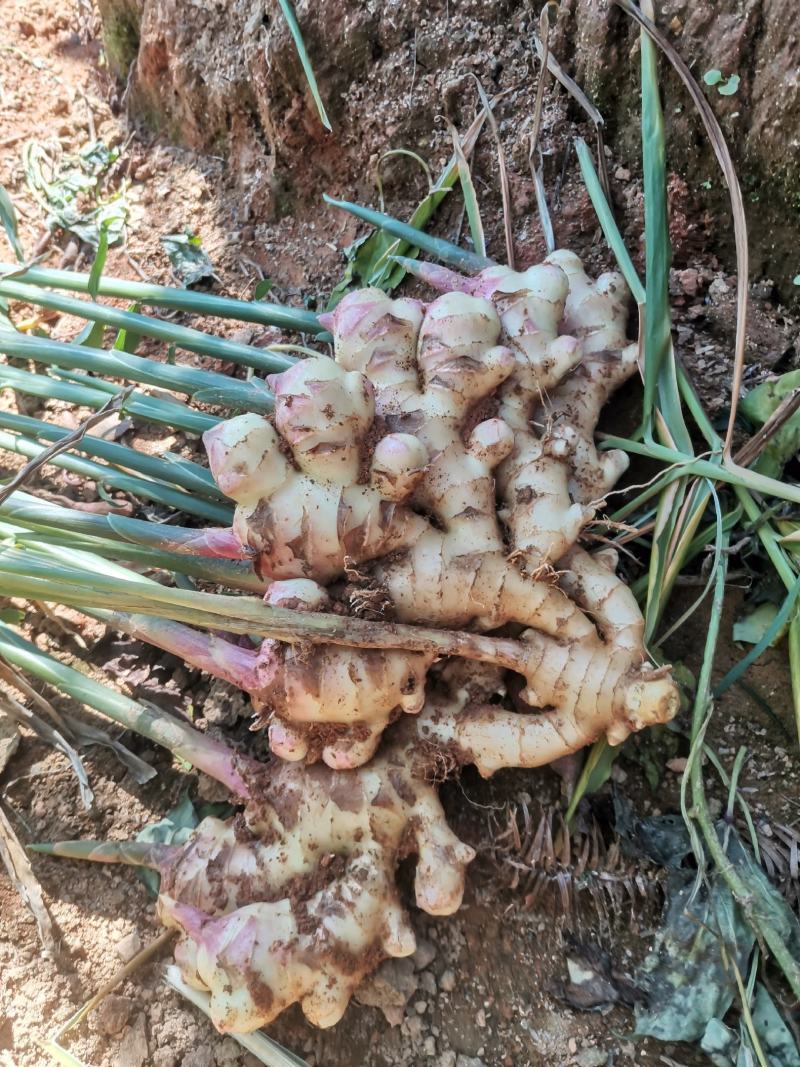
{"x": 447, "y": 457}
{"x": 438, "y": 472}
{"x": 294, "y": 900}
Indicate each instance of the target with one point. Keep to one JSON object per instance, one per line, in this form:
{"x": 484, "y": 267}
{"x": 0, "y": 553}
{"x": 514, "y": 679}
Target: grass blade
{"x": 134, "y": 324}
{"x": 470, "y": 196}
{"x": 94, "y": 392}
{"x": 127, "y": 483}
{"x": 308, "y": 70}
{"x": 607, "y": 222}
{"x": 772, "y": 631}
{"x": 252, "y": 395}
{"x": 197, "y": 303}
{"x": 181, "y": 472}
{"x": 96, "y": 273}
{"x": 8, "y": 217}
{"x": 437, "y": 247}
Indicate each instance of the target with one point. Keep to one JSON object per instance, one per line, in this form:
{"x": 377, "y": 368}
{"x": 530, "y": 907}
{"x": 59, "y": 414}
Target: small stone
{"x": 389, "y": 988}
{"x": 112, "y": 1014}
{"x": 414, "y": 1026}
{"x": 446, "y": 1059}
{"x": 447, "y": 981}
{"x": 127, "y": 946}
{"x": 689, "y": 281}
{"x": 428, "y": 983}
{"x": 424, "y": 955}
{"x": 429, "y": 1046}
{"x": 480, "y": 1018}
{"x": 420, "y": 1007}
{"x": 198, "y": 1057}
{"x": 227, "y": 1054}
{"x": 572, "y": 1046}
{"x": 165, "y": 1057}
{"x": 132, "y": 1050}
{"x": 622, "y": 174}
{"x": 9, "y": 739}
{"x": 469, "y": 1061}
{"x": 677, "y": 765}
{"x": 591, "y": 1057}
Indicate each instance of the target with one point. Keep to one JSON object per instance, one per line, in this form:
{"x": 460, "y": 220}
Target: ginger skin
{"x": 446, "y": 457}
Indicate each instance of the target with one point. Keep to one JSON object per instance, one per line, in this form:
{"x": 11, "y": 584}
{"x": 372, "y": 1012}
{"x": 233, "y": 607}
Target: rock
{"x": 424, "y": 955}
{"x": 427, "y": 983}
{"x": 165, "y": 1057}
{"x": 429, "y": 1046}
{"x": 689, "y": 280}
{"x": 389, "y": 988}
{"x": 198, "y": 1057}
{"x": 9, "y": 739}
{"x": 447, "y": 981}
{"x": 127, "y": 946}
{"x": 591, "y": 1057}
{"x": 112, "y": 1014}
{"x": 414, "y": 1027}
{"x": 622, "y": 174}
{"x": 133, "y": 1050}
{"x": 420, "y": 1007}
{"x": 227, "y": 1054}
{"x": 446, "y": 1059}
{"x": 469, "y": 1061}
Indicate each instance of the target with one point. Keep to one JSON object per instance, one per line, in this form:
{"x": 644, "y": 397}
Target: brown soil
{"x": 500, "y": 1008}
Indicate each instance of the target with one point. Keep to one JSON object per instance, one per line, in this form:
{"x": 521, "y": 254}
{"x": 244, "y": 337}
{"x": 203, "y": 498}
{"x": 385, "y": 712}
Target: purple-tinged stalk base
{"x": 216, "y": 541}
{"x": 207, "y": 651}
{"x": 134, "y": 853}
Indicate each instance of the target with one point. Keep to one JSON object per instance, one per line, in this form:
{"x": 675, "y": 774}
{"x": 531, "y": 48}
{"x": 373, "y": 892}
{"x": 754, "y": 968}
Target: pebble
{"x": 198, "y": 1057}
{"x": 469, "y": 1061}
{"x": 132, "y": 1050}
{"x": 112, "y": 1014}
{"x": 429, "y": 1046}
{"x": 424, "y": 955}
{"x": 622, "y": 174}
{"x": 414, "y": 1026}
{"x": 591, "y": 1057}
{"x": 127, "y": 946}
{"x": 480, "y": 1018}
{"x": 447, "y": 981}
{"x": 165, "y": 1057}
{"x": 420, "y": 1007}
{"x": 446, "y": 1059}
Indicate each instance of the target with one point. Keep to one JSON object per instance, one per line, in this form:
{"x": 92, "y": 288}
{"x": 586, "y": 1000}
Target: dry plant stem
{"x": 21, "y": 714}
{"x": 28, "y": 471}
{"x": 139, "y": 960}
{"x": 21, "y": 874}
{"x": 752, "y": 449}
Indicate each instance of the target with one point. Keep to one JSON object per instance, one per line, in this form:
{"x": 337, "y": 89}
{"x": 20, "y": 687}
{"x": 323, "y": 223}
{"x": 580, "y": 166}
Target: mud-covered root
{"x": 260, "y": 959}
{"x": 295, "y": 899}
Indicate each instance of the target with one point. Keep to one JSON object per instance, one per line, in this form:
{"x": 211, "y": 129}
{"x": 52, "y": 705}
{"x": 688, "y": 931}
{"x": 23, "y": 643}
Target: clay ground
{"x": 484, "y": 985}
